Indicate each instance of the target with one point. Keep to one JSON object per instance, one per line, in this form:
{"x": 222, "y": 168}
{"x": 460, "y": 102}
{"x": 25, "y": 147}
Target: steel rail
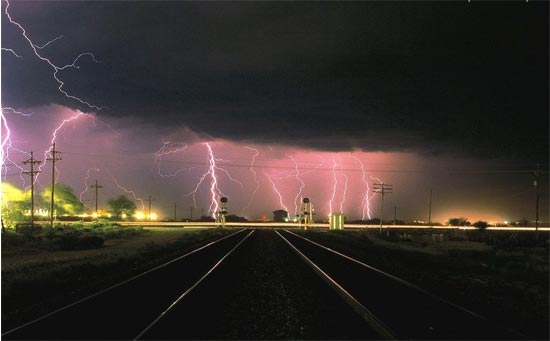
{"x": 171, "y": 306}
{"x": 117, "y": 284}
{"x": 379, "y": 327}
{"x": 400, "y": 280}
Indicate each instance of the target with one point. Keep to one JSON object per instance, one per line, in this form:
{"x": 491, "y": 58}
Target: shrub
{"x": 480, "y": 224}
{"x": 459, "y": 222}
{"x": 28, "y": 229}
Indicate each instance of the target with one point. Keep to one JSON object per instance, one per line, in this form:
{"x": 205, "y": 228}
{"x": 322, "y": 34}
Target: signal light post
{"x": 383, "y": 189}
{"x": 306, "y": 212}
{"x": 220, "y": 215}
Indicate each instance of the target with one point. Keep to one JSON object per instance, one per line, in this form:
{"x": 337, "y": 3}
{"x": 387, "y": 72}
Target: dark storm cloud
{"x": 425, "y": 76}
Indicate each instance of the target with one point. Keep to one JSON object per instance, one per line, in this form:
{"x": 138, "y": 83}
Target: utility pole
{"x": 537, "y": 174}
{"x": 96, "y": 187}
{"x": 175, "y": 212}
{"x": 202, "y": 212}
{"x": 383, "y": 189}
{"x": 53, "y": 159}
{"x": 395, "y": 215}
{"x": 32, "y": 172}
{"x": 149, "y": 201}
{"x": 191, "y": 210}
{"x": 430, "y": 209}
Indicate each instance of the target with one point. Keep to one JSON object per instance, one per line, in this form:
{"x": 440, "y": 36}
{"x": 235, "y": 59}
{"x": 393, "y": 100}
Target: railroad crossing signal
{"x": 306, "y": 212}
{"x": 222, "y": 211}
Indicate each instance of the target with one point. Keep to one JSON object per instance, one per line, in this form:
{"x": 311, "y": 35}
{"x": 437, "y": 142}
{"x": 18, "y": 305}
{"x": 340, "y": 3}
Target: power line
{"x": 259, "y": 166}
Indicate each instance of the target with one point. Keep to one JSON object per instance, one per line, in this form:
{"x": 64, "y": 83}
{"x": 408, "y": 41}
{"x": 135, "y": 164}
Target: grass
{"x": 36, "y": 278}
{"x": 503, "y": 277}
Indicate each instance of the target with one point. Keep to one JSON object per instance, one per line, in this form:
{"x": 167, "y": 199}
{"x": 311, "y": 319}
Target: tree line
{"x": 16, "y": 204}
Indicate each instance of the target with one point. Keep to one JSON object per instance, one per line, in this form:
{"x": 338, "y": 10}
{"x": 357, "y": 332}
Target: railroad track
{"x": 394, "y": 307}
{"x": 121, "y": 310}
{"x": 261, "y": 284}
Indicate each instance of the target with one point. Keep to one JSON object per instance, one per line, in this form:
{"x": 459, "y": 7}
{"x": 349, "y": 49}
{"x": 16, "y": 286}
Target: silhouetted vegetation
{"x": 280, "y": 216}
{"x": 66, "y": 237}
{"x": 235, "y": 219}
{"x": 459, "y": 222}
{"x": 121, "y": 207}
{"x": 480, "y": 224}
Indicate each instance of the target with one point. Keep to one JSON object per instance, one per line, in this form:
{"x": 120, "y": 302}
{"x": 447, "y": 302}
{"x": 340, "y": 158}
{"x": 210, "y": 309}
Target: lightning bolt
{"x": 166, "y": 149}
{"x": 344, "y": 193}
{"x": 377, "y": 179}
{"x": 297, "y": 174}
{"x": 255, "y": 176}
{"x": 86, "y": 186}
{"x": 365, "y": 200}
{"x": 215, "y": 191}
{"x": 335, "y": 184}
{"x": 132, "y": 193}
{"x": 11, "y": 51}
{"x": 48, "y": 151}
{"x": 276, "y": 191}
{"x": 55, "y": 68}
{"x": 49, "y": 42}
{"x": 7, "y": 144}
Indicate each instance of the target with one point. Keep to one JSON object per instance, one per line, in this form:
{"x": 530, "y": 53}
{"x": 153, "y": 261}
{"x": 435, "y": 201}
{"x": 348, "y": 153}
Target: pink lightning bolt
{"x": 86, "y": 186}
{"x": 126, "y": 190}
{"x": 214, "y": 190}
{"x": 211, "y": 173}
{"x": 302, "y": 185}
{"x": 7, "y": 144}
{"x": 166, "y": 149}
{"x": 334, "y": 164}
{"x": 253, "y": 171}
{"x": 48, "y": 151}
{"x": 344, "y": 193}
{"x": 276, "y": 191}
{"x": 365, "y": 199}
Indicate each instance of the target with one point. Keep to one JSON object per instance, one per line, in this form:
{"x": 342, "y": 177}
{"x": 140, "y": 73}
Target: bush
{"x": 480, "y": 224}
{"x": 28, "y": 229}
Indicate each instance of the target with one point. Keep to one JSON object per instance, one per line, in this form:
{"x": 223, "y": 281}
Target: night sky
{"x": 450, "y": 96}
